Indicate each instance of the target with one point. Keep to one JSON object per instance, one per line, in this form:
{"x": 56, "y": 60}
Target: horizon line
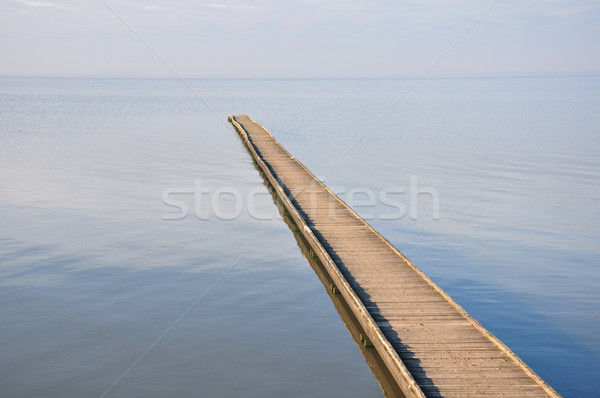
{"x": 193, "y": 77}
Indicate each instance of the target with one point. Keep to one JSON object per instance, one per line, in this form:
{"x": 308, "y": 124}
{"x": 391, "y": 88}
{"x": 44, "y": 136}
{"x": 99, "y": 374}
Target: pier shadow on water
{"x": 384, "y": 378}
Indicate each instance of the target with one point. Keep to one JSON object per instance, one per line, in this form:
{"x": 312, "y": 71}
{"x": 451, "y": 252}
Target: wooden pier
{"x": 428, "y": 343}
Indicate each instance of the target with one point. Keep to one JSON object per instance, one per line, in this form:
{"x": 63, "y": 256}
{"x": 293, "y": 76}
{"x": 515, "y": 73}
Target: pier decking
{"x": 429, "y": 344}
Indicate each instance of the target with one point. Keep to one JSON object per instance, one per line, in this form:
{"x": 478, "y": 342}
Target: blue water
{"x": 101, "y": 294}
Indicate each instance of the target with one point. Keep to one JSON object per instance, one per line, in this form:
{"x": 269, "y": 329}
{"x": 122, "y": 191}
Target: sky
{"x": 299, "y": 38}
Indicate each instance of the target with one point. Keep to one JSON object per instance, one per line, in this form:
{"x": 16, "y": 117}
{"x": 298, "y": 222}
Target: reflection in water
{"x": 91, "y": 276}
{"x": 386, "y": 381}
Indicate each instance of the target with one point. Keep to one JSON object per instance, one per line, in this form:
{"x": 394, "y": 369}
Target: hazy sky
{"x": 299, "y": 38}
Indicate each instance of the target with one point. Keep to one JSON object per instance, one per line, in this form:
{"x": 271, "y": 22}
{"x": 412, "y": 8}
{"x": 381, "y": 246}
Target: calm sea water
{"x": 100, "y": 294}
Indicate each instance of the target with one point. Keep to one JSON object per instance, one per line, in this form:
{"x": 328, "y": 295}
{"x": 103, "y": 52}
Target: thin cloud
{"x": 216, "y": 5}
{"x": 567, "y": 11}
{"x": 31, "y": 3}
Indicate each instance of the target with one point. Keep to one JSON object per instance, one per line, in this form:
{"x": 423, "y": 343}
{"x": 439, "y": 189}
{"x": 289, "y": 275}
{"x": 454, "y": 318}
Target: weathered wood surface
{"x": 431, "y": 346}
